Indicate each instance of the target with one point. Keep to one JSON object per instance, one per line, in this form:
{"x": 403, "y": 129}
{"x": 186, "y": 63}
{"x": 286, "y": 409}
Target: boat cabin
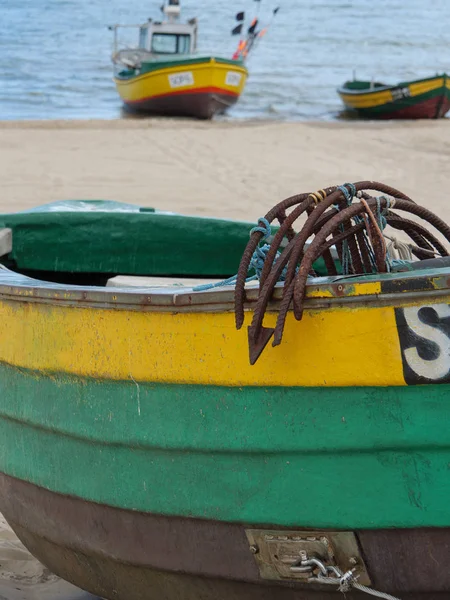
{"x": 168, "y": 38}
{"x": 163, "y": 38}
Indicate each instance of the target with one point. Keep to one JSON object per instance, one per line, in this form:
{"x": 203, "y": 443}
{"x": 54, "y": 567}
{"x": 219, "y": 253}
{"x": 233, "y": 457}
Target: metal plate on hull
{"x": 279, "y": 554}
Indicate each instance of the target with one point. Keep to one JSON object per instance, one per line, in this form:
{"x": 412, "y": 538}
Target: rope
{"x": 349, "y": 191}
{"x": 318, "y": 196}
{"x": 367, "y": 590}
{"x": 345, "y": 581}
{"x": 398, "y": 249}
{"x": 381, "y": 213}
{"x": 266, "y": 230}
{"x": 210, "y": 286}
{"x": 256, "y": 262}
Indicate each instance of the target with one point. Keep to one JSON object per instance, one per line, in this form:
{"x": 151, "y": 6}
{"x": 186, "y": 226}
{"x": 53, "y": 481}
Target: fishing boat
{"x": 421, "y": 99}
{"x": 155, "y": 445}
{"x": 164, "y": 75}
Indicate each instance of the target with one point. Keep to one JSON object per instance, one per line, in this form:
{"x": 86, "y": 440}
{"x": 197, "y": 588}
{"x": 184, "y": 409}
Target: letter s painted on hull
{"x": 424, "y": 333}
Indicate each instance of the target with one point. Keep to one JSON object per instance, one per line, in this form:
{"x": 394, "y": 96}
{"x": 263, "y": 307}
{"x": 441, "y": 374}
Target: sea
{"x": 56, "y": 64}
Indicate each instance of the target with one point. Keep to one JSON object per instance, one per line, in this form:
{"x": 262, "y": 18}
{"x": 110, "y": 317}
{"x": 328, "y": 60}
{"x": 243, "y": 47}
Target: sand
{"x": 22, "y": 577}
{"x": 221, "y": 169}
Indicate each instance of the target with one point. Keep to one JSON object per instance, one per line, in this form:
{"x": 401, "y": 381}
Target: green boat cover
{"x": 113, "y": 238}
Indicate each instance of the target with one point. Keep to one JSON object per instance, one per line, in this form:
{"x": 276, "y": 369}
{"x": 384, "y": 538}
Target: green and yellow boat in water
{"x": 156, "y": 445}
{"x": 420, "y": 99}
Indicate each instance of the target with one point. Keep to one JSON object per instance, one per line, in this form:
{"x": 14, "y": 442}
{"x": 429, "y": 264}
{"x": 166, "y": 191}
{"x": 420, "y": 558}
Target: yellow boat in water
{"x": 165, "y": 76}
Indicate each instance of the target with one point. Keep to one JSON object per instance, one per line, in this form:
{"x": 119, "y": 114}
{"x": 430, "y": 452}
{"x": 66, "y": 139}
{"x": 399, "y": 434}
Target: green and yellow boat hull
{"x": 133, "y": 426}
{"x": 142, "y": 455}
{"x": 422, "y": 99}
{"x": 186, "y": 86}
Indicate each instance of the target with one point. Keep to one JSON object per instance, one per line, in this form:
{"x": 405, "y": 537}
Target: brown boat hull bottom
{"x": 124, "y": 555}
{"x": 432, "y": 108}
{"x": 201, "y": 106}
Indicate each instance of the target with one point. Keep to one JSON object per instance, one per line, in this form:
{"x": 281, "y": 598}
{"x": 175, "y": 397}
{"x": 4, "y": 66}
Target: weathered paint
{"x": 311, "y": 457}
{"x": 342, "y": 347}
{"x": 159, "y": 411}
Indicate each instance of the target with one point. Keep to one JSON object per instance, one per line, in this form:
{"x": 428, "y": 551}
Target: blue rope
{"x": 349, "y": 191}
{"x": 209, "y": 286}
{"x": 266, "y": 230}
{"x": 382, "y": 213}
{"x": 256, "y": 262}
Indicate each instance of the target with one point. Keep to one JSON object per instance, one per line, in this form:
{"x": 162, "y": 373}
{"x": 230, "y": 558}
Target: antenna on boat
{"x": 172, "y": 10}
{"x": 253, "y": 34}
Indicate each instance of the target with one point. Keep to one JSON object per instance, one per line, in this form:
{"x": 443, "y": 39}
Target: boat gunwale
{"x": 323, "y": 292}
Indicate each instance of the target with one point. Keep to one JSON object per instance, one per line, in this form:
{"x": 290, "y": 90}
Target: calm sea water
{"x": 56, "y": 53}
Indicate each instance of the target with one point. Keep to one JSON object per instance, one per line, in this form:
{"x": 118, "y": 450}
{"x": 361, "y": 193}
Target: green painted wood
{"x": 113, "y": 238}
{"x": 305, "y": 457}
{"x": 116, "y": 238}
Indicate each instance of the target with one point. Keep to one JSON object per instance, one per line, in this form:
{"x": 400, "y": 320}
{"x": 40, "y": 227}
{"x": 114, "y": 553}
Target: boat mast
{"x": 253, "y": 34}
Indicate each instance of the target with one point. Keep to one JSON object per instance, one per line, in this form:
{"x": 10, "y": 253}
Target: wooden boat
{"x": 165, "y": 76}
{"x": 420, "y": 99}
{"x": 143, "y": 456}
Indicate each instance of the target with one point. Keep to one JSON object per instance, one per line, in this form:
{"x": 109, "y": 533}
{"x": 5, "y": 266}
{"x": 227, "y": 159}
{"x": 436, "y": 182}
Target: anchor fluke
{"x": 258, "y": 338}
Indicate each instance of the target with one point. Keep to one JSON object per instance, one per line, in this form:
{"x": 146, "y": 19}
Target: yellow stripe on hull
{"x": 189, "y": 78}
{"x": 373, "y": 99}
{"x": 423, "y": 87}
{"x": 367, "y": 100}
{"x": 355, "y": 346}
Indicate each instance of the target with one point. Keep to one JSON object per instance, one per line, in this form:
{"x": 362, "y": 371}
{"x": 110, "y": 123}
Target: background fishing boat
{"x": 421, "y": 99}
{"x": 164, "y": 75}
{"x": 143, "y": 456}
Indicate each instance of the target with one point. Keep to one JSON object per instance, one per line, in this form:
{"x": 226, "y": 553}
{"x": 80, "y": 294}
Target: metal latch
{"x": 307, "y": 556}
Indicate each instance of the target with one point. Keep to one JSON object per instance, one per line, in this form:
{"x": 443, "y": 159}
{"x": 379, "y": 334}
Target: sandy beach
{"x": 236, "y": 170}
{"x": 222, "y": 169}
{"x": 22, "y": 577}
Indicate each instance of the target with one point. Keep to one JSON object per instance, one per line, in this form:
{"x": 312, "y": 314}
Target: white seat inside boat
{"x": 126, "y": 281}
